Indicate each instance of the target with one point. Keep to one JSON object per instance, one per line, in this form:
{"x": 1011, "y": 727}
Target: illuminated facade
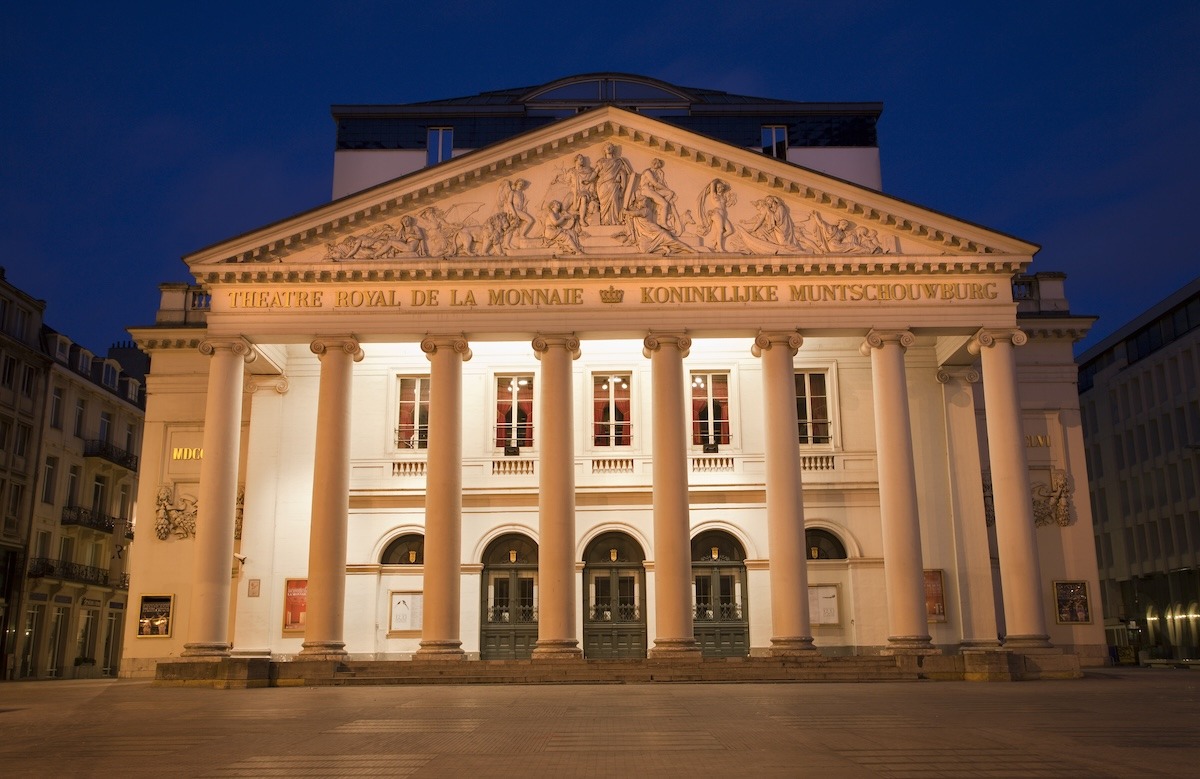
{"x": 608, "y": 387}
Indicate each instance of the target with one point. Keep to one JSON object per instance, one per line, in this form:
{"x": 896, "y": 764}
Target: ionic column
{"x": 675, "y": 633}
{"x": 556, "y": 501}
{"x": 443, "y": 499}
{"x": 208, "y": 621}
{"x": 1020, "y": 572}
{"x": 973, "y": 561}
{"x": 902, "y": 569}
{"x": 790, "y": 619}
{"x": 324, "y": 621}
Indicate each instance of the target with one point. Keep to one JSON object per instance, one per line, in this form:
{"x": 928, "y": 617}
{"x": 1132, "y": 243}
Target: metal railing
{"x": 84, "y": 517}
{"x": 113, "y": 454}
{"x": 49, "y": 568}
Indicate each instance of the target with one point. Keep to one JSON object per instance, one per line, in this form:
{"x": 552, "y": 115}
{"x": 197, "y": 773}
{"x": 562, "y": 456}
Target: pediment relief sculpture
{"x": 612, "y": 205}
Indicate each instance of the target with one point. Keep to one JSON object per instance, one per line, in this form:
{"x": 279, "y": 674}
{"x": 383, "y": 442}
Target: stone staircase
{"x": 743, "y": 670}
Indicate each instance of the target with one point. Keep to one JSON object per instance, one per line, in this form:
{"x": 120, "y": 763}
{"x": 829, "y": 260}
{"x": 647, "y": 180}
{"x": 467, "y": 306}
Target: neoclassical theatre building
{"x": 585, "y": 370}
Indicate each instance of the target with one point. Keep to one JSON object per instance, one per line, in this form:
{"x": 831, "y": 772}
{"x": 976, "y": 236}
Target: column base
{"x": 323, "y": 650}
{"x": 440, "y": 651}
{"x": 675, "y": 649}
{"x": 909, "y": 645}
{"x": 793, "y": 646}
{"x": 979, "y": 645}
{"x": 206, "y": 649}
{"x": 557, "y": 649}
{"x": 1027, "y": 642}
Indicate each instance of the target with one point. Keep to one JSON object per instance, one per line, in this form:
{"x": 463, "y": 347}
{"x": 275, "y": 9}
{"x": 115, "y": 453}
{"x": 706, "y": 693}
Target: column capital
{"x": 430, "y": 344}
{"x": 278, "y": 383}
{"x": 764, "y": 341}
{"x": 877, "y": 339}
{"x": 967, "y": 374}
{"x": 346, "y": 343}
{"x": 543, "y": 342}
{"x": 238, "y": 345}
{"x": 655, "y": 341}
{"x": 989, "y": 337}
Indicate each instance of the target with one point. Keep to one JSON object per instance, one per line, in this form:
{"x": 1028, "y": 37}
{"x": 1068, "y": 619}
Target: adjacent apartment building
{"x": 70, "y": 429}
{"x": 1141, "y": 413}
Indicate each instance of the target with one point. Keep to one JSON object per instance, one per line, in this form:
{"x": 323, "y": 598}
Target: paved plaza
{"x": 1112, "y": 723}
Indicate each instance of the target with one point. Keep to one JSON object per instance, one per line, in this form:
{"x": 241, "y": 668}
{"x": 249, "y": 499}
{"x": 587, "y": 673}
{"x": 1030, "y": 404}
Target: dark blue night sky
{"x": 134, "y": 133}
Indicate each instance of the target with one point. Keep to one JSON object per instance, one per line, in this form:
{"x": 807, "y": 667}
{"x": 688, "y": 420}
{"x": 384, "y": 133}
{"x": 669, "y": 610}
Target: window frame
{"x": 696, "y": 424}
{"x": 439, "y": 144}
{"x": 778, "y": 136}
{"x": 511, "y": 444}
{"x": 610, "y": 430}
{"x": 420, "y": 402}
{"x": 810, "y": 419}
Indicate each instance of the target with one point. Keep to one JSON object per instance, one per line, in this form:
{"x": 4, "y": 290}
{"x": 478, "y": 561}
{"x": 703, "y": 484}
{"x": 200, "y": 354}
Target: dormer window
{"x": 83, "y": 362}
{"x": 62, "y": 350}
{"x": 109, "y": 376}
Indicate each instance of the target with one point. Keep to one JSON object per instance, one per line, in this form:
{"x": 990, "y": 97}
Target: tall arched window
{"x": 823, "y": 545}
{"x": 405, "y": 550}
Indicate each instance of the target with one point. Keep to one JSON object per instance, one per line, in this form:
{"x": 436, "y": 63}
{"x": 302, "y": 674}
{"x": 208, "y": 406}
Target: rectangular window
{"x": 62, "y": 350}
{"x": 66, "y": 549}
{"x": 123, "y": 501}
{"x": 775, "y": 140}
{"x": 710, "y": 410}
{"x": 8, "y": 373}
{"x": 109, "y": 376}
{"x": 56, "y": 408}
{"x": 83, "y": 363}
{"x": 412, "y": 427}
{"x": 812, "y": 408}
{"x": 612, "y": 425}
{"x": 16, "y": 496}
{"x": 5, "y": 429}
{"x": 28, "y": 380}
{"x": 130, "y": 437}
{"x": 106, "y": 427}
{"x": 80, "y": 416}
{"x": 41, "y": 547}
{"x": 20, "y": 328}
{"x": 21, "y": 440}
{"x": 50, "y": 480}
{"x": 514, "y": 411}
{"x": 439, "y": 144}
{"x": 73, "y": 476}
{"x": 100, "y": 495}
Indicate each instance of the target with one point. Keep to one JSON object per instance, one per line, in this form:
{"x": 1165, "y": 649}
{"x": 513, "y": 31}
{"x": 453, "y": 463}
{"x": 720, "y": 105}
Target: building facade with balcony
{"x": 616, "y": 383}
{"x": 76, "y": 578}
{"x": 1141, "y": 413}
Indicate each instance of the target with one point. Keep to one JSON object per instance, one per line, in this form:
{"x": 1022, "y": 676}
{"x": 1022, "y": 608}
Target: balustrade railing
{"x": 84, "y": 517}
{"x": 114, "y": 454}
{"x": 45, "y": 567}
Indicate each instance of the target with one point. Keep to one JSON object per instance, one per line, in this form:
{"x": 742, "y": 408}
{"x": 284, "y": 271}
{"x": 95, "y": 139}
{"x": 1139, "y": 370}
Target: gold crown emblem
{"x": 612, "y": 295}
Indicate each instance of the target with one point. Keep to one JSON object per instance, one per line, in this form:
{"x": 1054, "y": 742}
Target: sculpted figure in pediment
{"x": 511, "y": 202}
{"x": 844, "y": 237}
{"x": 614, "y": 175}
{"x": 381, "y": 242}
{"x": 713, "y": 207}
{"x": 643, "y": 230}
{"x": 651, "y": 184}
{"x": 561, "y": 229}
{"x": 579, "y": 198}
{"x": 455, "y": 233}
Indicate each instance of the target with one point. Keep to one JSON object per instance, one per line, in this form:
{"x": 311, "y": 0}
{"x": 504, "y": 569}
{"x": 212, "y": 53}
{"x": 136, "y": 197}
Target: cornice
{"x": 607, "y": 268}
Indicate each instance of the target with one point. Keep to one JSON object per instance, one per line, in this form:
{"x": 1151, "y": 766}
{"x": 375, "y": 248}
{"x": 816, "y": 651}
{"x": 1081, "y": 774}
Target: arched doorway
{"x": 722, "y": 625}
{"x": 509, "y": 621}
{"x": 614, "y": 598}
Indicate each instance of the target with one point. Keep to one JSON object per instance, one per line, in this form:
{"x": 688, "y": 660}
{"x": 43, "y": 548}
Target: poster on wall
{"x": 1071, "y": 605}
{"x": 154, "y": 616}
{"x": 823, "y": 604}
{"x": 407, "y": 612}
{"x": 935, "y": 596}
{"x": 295, "y": 604}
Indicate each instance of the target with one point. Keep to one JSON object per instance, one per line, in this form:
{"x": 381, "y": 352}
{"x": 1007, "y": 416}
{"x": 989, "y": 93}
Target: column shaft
{"x": 675, "y": 633}
{"x": 556, "y": 501}
{"x": 790, "y": 618}
{"x": 1020, "y": 572}
{"x": 907, "y": 622}
{"x": 208, "y": 620}
{"x": 324, "y": 621}
{"x": 440, "y": 633}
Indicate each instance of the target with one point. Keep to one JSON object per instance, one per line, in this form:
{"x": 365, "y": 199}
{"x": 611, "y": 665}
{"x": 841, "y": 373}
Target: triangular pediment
{"x": 608, "y": 185}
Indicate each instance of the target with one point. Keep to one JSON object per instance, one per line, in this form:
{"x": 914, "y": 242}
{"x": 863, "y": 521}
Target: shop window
{"x": 514, "y": 412}
{"x": 412, "y": 426}
{"x": 612, "y": 425}
{"x": 710, "y": 410}
{"x": 812, "y": 407}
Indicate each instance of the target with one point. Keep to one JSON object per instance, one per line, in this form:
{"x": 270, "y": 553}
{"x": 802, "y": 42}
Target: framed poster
{"x": 295, "y": 605}
{"x": 1071, "y": 606}
{"x": 407, "y": 613}
{"x": 935, "y": 596}
{"x": 823, "y": 604}
{"x": 155, "y": 616}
